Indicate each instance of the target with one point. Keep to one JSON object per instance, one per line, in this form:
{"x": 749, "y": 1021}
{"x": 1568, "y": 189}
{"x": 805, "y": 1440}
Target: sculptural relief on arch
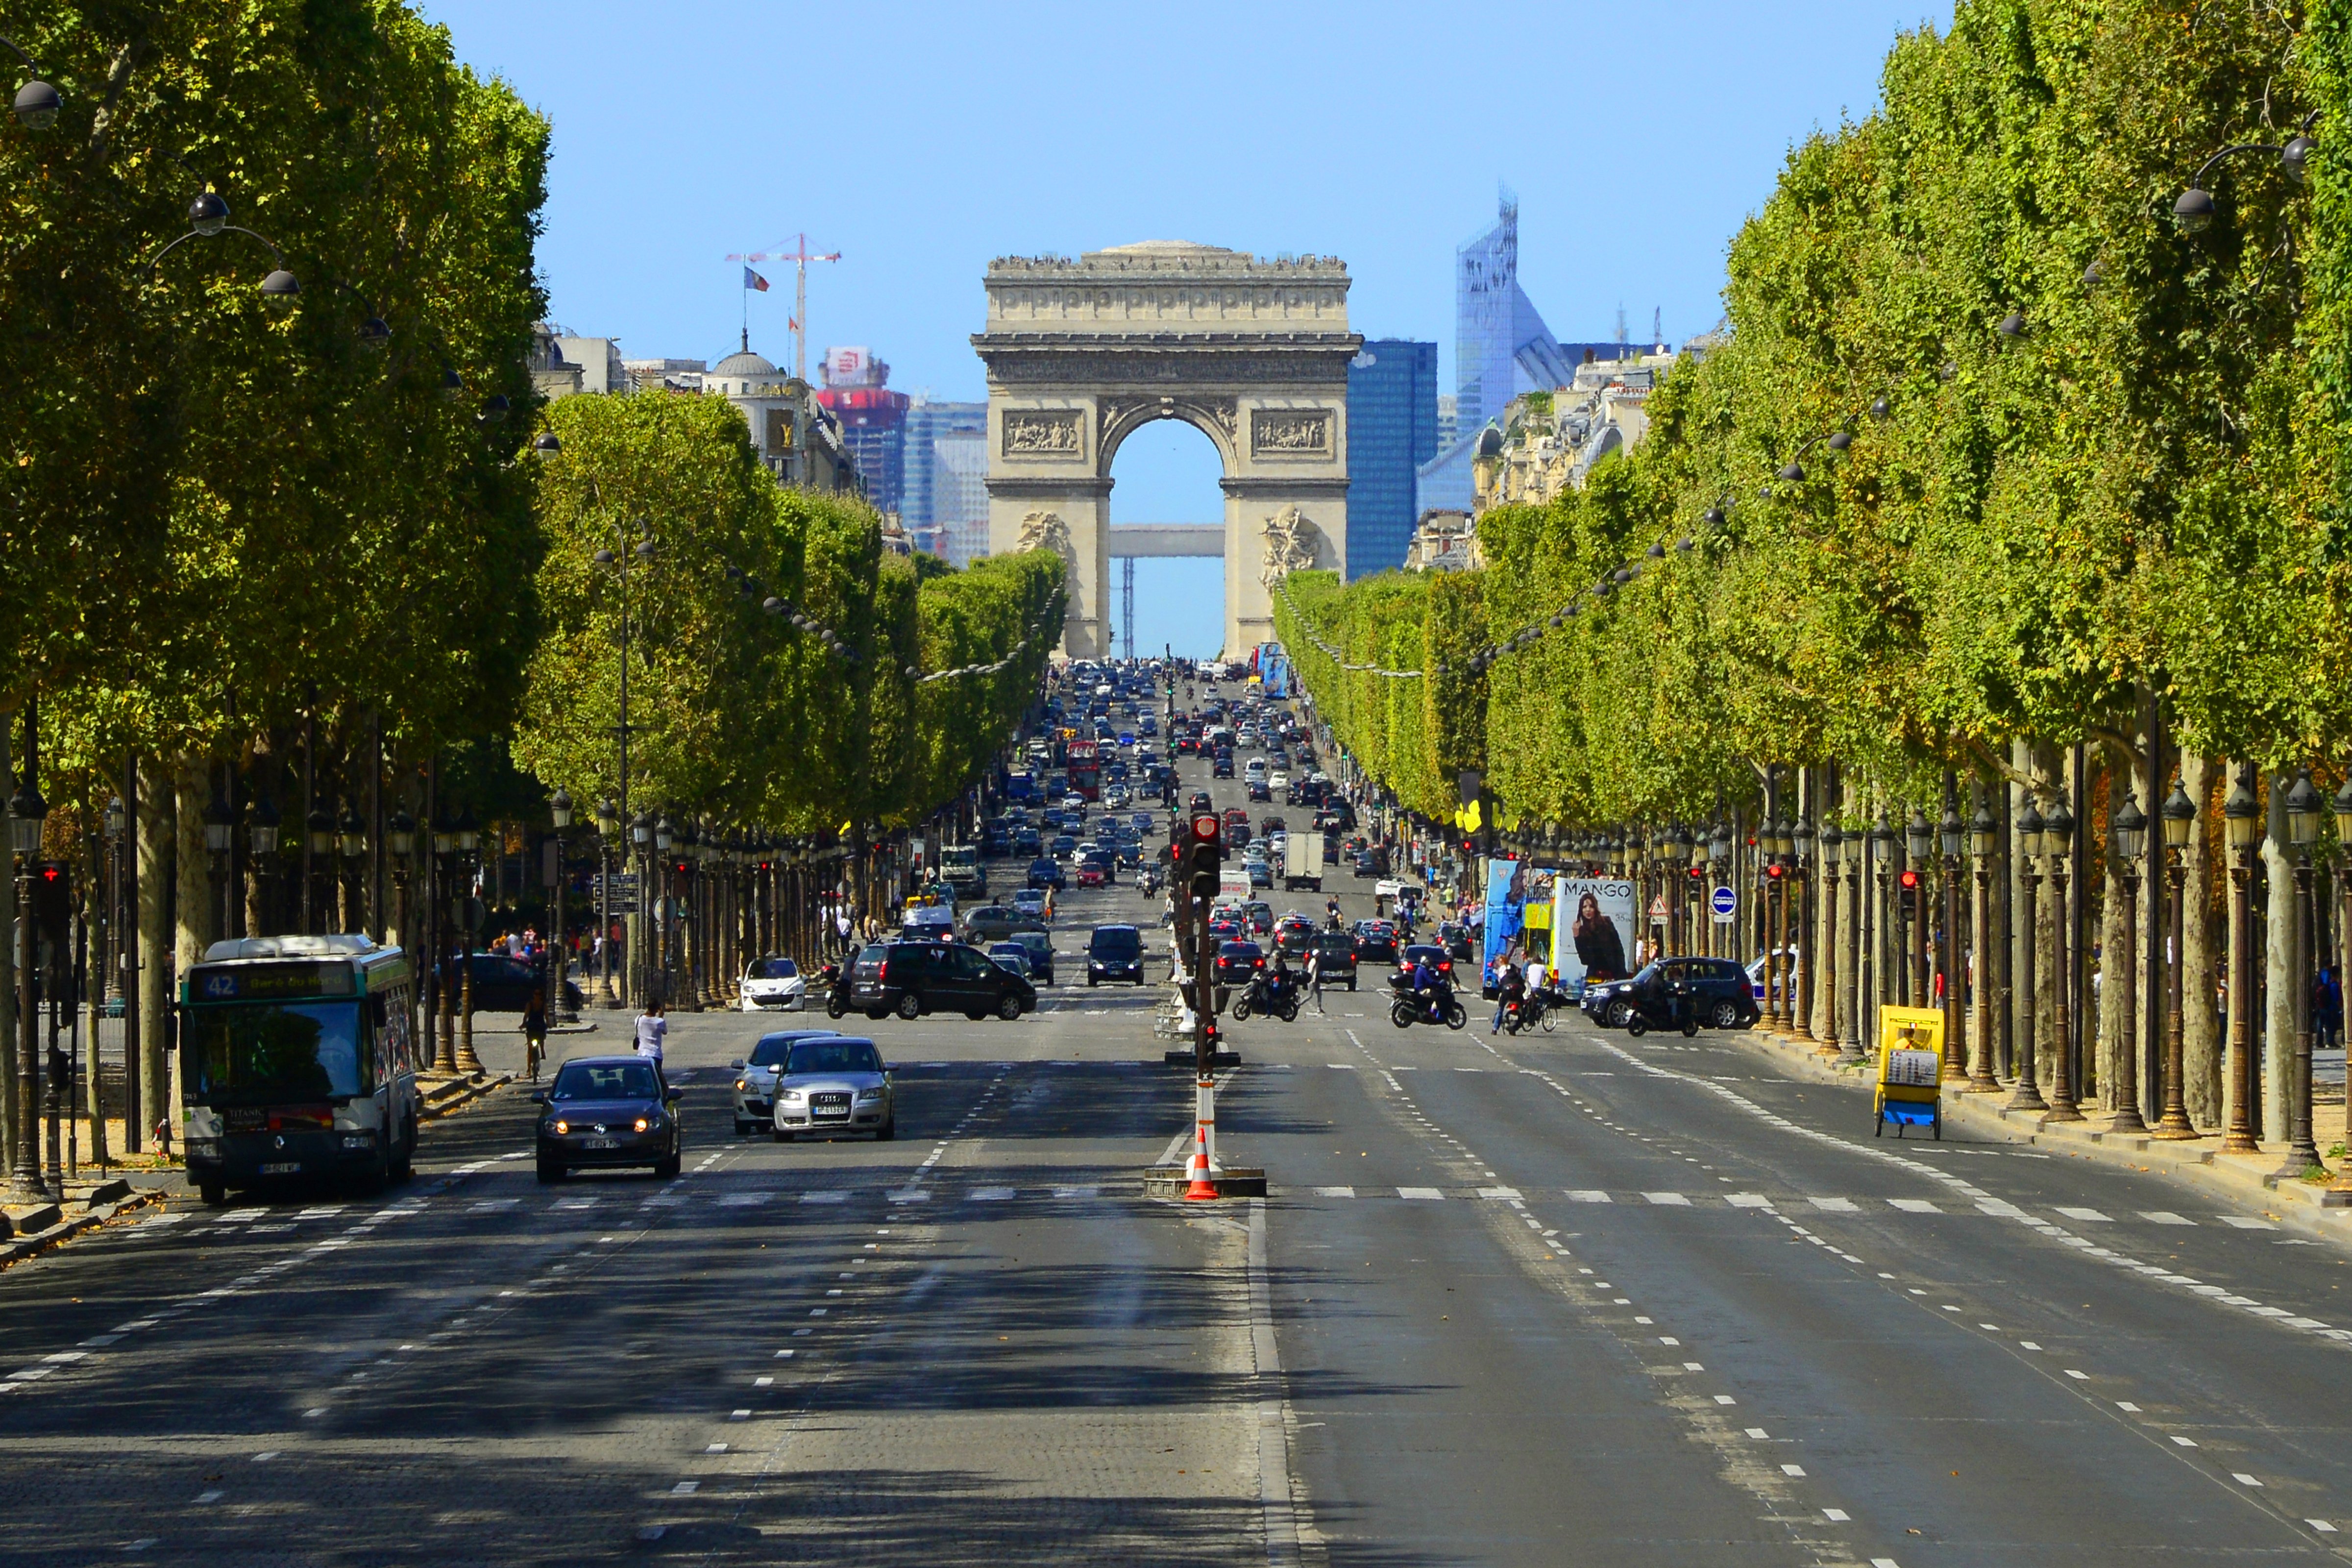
{"x": 1252, "y": 353}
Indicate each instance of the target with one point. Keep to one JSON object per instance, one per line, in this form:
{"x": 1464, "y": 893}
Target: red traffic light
{"x": 1775, "y": 872}
{"x": 52, "y": 875}
{"x": 1910, "y": 880}
{"x": 1206, "y": 828}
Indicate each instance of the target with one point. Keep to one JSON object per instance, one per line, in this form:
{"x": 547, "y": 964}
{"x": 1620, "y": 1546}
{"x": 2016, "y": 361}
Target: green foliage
{"x": 732, "y": 711}
{"x": 2144, "y": 486}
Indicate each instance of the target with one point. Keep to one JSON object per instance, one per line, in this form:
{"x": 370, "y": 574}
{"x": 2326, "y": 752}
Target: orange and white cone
{"x": 1204, "y": 1186}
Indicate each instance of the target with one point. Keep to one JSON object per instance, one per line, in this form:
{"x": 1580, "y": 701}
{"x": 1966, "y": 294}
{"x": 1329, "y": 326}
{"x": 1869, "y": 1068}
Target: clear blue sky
{"x": 920, "y": 141}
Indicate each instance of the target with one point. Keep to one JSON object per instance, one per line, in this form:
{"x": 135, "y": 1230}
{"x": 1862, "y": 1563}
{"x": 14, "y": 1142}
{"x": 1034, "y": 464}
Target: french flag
{"x": 753, "y": 280}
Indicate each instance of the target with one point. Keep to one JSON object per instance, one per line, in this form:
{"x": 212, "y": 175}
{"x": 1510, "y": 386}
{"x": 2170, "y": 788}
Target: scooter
{"x": 1408, "y": 1007}
{"x": 835, "y": 977}
{"x": 1677, "y": 1012}
{"x": 1266, "y": 994}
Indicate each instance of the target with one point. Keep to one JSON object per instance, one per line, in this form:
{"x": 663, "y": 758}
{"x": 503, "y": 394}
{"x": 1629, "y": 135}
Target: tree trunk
{"x": 2282, "y": 967}
{"x": 2202, "y": 940}
{"x": 195, "y": 916}
{"x": 8, "y": 1046}
{"x": 158, "y": 818}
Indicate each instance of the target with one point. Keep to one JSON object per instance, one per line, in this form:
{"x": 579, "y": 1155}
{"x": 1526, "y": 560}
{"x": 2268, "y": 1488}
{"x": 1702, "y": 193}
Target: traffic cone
{"x": 1202, "y": 1187}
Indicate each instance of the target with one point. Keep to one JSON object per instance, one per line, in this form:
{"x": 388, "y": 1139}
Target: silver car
{"x": 755, "y": 1077}
{"x": 831, "y": 1085}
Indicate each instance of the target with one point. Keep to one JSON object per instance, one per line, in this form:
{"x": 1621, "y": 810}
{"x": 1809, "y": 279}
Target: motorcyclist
{"x": 1428, "y": 985}
{"x": 1331, "y": 912}
{"x": 1509, "y": 993}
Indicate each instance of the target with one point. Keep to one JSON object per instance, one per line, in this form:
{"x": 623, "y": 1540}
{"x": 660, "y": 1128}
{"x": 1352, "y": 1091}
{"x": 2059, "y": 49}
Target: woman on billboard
{"x": 1598, "y": 946}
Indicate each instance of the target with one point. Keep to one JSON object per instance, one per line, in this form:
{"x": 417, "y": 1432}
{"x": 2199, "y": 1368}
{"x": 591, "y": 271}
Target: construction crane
{"x": 800, "y": 256}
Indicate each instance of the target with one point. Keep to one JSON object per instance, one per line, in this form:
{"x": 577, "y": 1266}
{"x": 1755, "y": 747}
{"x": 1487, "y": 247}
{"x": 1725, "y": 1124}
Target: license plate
{"x": 825, "y": 1115}
{"x": 600, "y": 1142}
{"x": 282, "y": 1168}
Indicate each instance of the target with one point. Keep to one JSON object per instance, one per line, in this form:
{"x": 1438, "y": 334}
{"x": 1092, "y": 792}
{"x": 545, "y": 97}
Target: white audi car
{"x": 773, "y": 986}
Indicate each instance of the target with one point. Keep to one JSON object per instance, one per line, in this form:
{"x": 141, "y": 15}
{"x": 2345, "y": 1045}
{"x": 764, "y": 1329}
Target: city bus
{"x": 297, "y": 1062}
{"x": 1085, "y": 767}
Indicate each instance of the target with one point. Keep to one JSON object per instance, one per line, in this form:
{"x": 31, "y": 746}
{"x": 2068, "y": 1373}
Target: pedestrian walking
{"x": 652, "y": 1028}
{"x": 1314, "y": 975}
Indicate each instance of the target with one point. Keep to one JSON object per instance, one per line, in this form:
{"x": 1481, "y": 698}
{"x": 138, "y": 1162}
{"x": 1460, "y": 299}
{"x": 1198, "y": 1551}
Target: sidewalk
{"x": 2250, "y": 1181}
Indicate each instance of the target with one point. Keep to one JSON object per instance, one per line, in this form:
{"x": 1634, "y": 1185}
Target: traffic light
{"x": 53, "y": 902}
{"x": 1204, "y": 859}
{"x": 1909, "y": 882}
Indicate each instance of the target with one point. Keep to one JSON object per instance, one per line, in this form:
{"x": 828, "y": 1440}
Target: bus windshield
{"x": 264, "y": 1053}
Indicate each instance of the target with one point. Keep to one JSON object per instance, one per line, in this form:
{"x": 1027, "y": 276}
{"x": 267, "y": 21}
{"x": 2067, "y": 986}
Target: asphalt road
{"x": 1563, "y": 1298}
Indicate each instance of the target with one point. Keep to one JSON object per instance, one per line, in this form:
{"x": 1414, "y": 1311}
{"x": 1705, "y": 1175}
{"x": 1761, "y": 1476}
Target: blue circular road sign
{"x": 1725, "y": 902}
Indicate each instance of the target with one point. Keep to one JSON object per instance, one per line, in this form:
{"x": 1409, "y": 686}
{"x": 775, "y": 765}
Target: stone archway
{"x": 1254, "y": 355}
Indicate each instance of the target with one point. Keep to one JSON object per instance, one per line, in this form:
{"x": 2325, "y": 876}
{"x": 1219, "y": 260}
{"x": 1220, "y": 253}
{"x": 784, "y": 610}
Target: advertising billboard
{"x": 1593, "y": 931}
{"x": 1505, "y": 906}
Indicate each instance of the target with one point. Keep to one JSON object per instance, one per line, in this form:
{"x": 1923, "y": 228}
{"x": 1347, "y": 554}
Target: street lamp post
{"x": 400, "y": 834}
{"x": 439, "y": 877}
{"x": 2179, "y": 817}
{"x": 2129, "y": 830}
{"x": 26, "y": 812}
{"x": 1983, "y": 832}
{"x": 1825, "y": 969}
{"x": 2303, "y": 830}
{"x": 608, "y": 835}
{"x": 2057, "y": 846}
{"x": 1884, "y": 943}
{"x": 261, "y": 843}
{"x": 638, "y": 975}
{"x": 1802, "y": 961}
{"x": 665, "y": 836}
{"x": 469, "y": 844}
{"x": 2027, "y": 1096}
{"x": 1950, "y": 838}
{"x": 353, "y": 840}
{"x": 2339, "y": 1191}
{"x": 2241, "y": 825}
{"x": 220, "y": 837}
{"x": 1918, "y": 840}
{"x": 318, "y": 842}
{"x": 1856, "y": 984}
{"x": 559, "y": 811}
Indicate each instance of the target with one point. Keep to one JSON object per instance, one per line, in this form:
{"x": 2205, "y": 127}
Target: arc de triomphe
{"x": 1253, "y": 353}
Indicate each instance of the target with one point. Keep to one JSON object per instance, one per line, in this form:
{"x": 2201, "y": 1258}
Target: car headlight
{"x": 794, "y": 1095}
{"x": 869, "y": 1096}
{"x": 643, "y": 1124}
{"x": 562, "y": 1127}
{"x": 742, "y": 1084}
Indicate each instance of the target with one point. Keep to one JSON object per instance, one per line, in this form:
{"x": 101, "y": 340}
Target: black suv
{"x": 912, "y": 978}
{"x": 1335, "y": 957}
{"x": 1715, "y": 991}
{"x": 1115, "y": 953}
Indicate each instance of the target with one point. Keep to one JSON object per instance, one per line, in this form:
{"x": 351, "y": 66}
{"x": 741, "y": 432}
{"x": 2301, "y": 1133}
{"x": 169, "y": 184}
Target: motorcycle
{"x": 1408, "y": 1007}
{"x": 1538, "y": 1009}
{"x": 1266, "y": 994}
{"x": 1677, "y": 1012}
{"x": 835, "y": 978}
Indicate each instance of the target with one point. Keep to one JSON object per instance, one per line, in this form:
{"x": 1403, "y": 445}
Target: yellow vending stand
{"x": 1910, "y": 1071}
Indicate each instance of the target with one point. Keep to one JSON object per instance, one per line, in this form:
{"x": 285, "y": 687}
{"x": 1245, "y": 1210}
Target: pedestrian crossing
{"x": 1821, "y": 1203}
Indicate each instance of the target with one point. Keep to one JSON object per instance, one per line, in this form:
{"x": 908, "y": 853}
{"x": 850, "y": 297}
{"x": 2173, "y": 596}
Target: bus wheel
{"x": 214, "y": 1194}
{"x": 403, "y": 1155}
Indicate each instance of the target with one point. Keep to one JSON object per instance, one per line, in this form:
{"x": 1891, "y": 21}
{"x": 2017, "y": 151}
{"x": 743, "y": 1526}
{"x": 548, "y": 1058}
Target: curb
{"x": 2244, "y": 1180}
{"x": 23, "y": 1248}
{"x": 452, "y": 1095}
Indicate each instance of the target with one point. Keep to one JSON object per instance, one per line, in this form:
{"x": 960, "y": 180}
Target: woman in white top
{"x": 651, "y": 1028}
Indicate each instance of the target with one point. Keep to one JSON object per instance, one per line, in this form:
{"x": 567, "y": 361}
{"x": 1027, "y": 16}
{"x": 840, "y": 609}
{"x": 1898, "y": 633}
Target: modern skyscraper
{"x": 873, "y": 420}
{"x": 1501, "y": 348}
{"x": 1391, "y": 431}
{"x": 938, "y": 434}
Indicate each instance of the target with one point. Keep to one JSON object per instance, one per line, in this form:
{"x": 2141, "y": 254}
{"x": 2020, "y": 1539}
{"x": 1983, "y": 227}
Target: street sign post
{"x": 1726, "y": 904}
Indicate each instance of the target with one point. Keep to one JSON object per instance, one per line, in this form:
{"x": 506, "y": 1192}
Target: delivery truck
{"x": 1302, "y": 861}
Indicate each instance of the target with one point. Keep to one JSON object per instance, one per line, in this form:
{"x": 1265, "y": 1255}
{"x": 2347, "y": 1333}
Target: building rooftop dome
{"x": 744, "y": 363}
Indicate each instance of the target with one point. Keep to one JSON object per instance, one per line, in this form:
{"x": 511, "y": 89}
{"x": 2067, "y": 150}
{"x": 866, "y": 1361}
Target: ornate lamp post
{"x": 1802, "y": 958}
{"x": 1824, "y": 966}
{"x": 610, "y": 855}
{"x": 220, "y": 837}
{"x": 1885, "y": 943}
{"x": 639, "y": 974}
{"x": 439, "y": 894}
{"x": 353, "y": 840}
{"x": 2057, "y": 849}
{"x": 319, "y": 839}
{"x": 1984, "y": 833}
{"x": 2303, "y": 830}
{"x": 2129, "y": 831}
{"x": 2241, "y": 825}
{"x": 261, "y": 843}
{"x": 1856, "y": 982}
{"x": 2339, "y": 1191}
{"x": 1918, "y": 842}
{"x": 1949, "y": 836}
{"x": 2028, "y": 1093}
{"x": 400, "y": 836}
{"x": 559, "y": 811}
{"x": 2179, "y": 815}
{"x": 27, "y": 814}
{"x": 665, "y": 836}
{"x": 469, "y": 843}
